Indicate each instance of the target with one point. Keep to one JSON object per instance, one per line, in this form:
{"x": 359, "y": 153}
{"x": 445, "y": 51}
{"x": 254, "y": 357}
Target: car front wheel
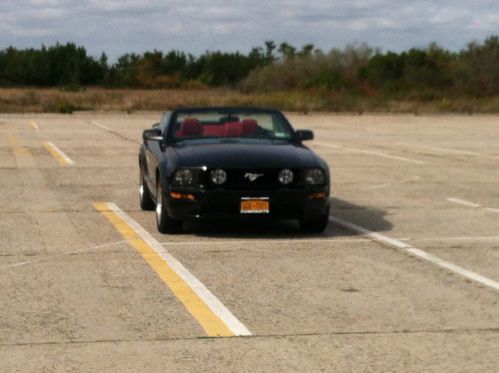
{"x": 165, "y": 223}
{"x": 146, "y": 202}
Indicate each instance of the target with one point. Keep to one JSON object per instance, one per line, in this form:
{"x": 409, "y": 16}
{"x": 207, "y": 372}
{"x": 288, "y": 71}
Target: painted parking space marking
{"x": 324, "y": 241}
{"x": 404, "y": 181}
{"x": 370, "y": 152}
{"x": 23, "y": 156}
{"x": 212, "y": 315}
{"x": 463, "y": 202}
{"x": 50, "y": 257}
{"x": 17, "y": 147}
{"x": 439, "y": 149}
{"x": 387, "y": 241}
{"x": 447, "y": 150}
{"x": 257, "y": 241}
{"x": 58, "y": 154}
{"x": 116, "y": 133}
{"x": 34, "y": 125}
{"x": 472, "y": 204}
{"x": 97, "y": 124}
{"x": 460, "y": 238}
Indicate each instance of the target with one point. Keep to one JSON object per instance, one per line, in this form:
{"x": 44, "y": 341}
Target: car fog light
{"x": 286, "y": 176}
{"x": 218, "y": 176}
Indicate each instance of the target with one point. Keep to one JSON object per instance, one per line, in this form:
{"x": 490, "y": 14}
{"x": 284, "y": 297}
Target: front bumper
{"x": 221, "y": 203}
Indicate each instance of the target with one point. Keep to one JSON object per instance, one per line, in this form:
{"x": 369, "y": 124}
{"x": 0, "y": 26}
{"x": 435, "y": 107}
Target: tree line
{"x": 425, "y": 73}
{"x": 70, "y": 65}
{"x": 357, "y": 69}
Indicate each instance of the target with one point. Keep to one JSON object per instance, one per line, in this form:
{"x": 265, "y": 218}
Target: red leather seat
{"x": 214, "y": 130}
{"x": 248, "y": 127}
{"x": 232, "y": 129}
{"x": 190, "y": 127}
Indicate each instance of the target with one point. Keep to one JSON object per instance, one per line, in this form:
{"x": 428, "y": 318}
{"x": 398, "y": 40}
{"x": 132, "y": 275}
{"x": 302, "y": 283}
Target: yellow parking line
{"x": 34, "y": 125}
{"x": 214, "y": 318}
{"x": 18, "y": 148}
{"x": 58, "y": 154}
{"x": 23, "y": 156}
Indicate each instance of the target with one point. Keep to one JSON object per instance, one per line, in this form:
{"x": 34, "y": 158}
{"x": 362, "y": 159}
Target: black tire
{"x": 145, "y": 198}
{"x": 165, "y": 223}
{"x": 317, "y": 225}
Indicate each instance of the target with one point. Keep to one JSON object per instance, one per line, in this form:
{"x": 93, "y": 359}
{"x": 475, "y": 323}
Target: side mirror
{"x": 304, "y": 135}
{"x": 153, "y": 134}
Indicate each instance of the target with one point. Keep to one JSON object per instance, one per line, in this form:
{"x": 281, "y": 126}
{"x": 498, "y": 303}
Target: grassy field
{"x": 53, "y": 100}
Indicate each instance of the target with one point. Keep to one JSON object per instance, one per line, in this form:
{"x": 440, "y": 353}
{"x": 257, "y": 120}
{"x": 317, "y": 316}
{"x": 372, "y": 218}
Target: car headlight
{"x": 218, "y": 176}
{"x": 183, "y": 177}
{"x": 315, "y": 176}
{"x": 286, "y": 176}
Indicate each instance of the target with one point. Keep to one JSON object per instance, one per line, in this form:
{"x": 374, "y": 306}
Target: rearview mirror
{"x": 153, "y": 134}
{"x": 304, "y": 135}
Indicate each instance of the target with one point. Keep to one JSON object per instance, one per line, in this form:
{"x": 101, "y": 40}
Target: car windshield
{"x": 220, "y": 124}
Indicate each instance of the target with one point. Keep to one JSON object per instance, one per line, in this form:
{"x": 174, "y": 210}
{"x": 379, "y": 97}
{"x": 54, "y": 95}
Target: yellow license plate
{"x": 255, "y": 205}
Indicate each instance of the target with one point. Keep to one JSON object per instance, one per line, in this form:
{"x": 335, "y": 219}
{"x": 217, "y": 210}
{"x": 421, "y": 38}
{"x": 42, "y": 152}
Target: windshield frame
{"x": 171, "y": 138}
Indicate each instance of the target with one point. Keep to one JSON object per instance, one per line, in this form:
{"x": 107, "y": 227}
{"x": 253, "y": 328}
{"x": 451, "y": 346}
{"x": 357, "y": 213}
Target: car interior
{"x": 192, "y": 127}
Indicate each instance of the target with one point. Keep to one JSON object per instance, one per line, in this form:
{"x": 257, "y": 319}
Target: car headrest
{"x": 190, "y": 127}
{"x": 248, "y": 127}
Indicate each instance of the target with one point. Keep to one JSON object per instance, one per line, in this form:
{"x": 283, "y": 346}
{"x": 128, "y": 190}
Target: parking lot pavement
{"x": 80, "y": 291}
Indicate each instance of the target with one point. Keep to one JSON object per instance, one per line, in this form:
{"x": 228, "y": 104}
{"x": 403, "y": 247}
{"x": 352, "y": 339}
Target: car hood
{"x": 244, "y": 155}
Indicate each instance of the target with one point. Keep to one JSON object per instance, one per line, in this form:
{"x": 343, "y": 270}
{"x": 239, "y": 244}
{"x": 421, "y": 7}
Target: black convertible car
{"x": 231, "y": 162}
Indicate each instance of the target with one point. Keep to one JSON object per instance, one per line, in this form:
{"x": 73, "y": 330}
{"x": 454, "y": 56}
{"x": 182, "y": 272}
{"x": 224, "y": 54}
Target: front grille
{"x": 254, "y": 179}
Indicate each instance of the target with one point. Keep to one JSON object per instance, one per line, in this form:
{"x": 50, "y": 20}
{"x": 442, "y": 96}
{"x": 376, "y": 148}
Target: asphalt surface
{"x": 410, "y": 286}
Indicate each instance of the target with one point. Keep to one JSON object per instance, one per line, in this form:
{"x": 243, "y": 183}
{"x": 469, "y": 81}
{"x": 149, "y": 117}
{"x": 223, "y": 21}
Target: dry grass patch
{"x": 53, "y": 100}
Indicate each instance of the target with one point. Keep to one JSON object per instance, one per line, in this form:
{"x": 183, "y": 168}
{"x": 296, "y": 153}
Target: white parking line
{"x": 462, "y": 238}
{"x": 116, "y": 133}
{"x": 319, "y": 241}
{"x": 370, "y": 152}
{"x": 379, "y": 186}
{"x": 447, "y": 150}
{"x": 101, "y": 126}
{"x": 472, "y": 204}
{"x": 416, "y": 252}
{"x": 439, "y": 149}
{"x": 50, "y": 257}
{"x": 256, "y": 241}
{"x": 213, "y": 316}
{"x": 463, "y": 202}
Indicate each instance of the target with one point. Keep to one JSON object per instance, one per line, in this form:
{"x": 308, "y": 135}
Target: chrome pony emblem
{"x": 252, "y": 177}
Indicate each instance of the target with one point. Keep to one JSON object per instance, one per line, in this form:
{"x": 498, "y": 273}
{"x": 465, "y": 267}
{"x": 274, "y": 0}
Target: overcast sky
{"x": 120, "y": 26}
